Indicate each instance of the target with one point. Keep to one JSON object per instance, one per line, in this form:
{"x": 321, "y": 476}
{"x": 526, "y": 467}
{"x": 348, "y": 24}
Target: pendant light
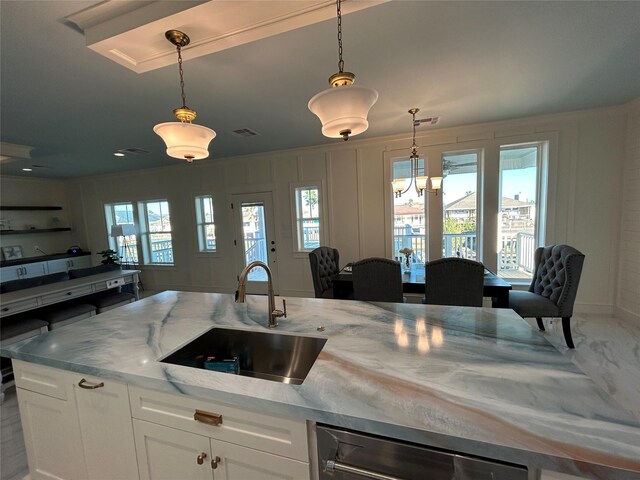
{"x": 418, "y": 181}
{"x": 343, "y": 108}
{"x": 184, "y": 140}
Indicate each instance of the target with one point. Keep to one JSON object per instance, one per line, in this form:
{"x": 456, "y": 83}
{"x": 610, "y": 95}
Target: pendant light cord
{"x": 340, "y": 61}
{"x": 184, "y": 101}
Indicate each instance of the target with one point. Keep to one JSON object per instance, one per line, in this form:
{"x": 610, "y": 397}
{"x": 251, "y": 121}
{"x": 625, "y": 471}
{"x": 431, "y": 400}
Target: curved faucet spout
{"x": 242, "y": 289}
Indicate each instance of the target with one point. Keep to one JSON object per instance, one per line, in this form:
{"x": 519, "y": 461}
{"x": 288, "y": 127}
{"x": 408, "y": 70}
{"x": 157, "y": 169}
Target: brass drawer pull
{"x": 84, "y": 384}
{"x": 215, "y": 462}
{"x": 201, "y": 457}
{"x": 214, "y": 419}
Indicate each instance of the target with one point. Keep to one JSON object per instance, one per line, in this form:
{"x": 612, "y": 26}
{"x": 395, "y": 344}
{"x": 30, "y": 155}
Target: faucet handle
{"x": 281, "y": 313}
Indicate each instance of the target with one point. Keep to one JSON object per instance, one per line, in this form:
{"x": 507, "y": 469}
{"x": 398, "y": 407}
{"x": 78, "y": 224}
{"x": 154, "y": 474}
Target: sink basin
{"x": 278, "y": 357}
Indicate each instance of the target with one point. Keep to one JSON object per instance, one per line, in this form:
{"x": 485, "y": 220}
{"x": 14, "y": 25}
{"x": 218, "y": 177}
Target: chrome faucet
{"x": 274, "y": 313}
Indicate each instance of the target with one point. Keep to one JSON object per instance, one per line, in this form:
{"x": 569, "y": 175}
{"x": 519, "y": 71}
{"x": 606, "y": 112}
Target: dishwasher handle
{"x": 333, "y": 466}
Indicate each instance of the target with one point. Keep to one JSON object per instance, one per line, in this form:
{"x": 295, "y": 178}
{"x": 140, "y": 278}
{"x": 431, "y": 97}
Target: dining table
{"x": 413, "y": 282}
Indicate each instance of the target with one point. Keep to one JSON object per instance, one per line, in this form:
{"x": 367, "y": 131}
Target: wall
{"x": 628, "y": 299}
{"x": 23, "y": 191}
{"x": 588, "y": 150}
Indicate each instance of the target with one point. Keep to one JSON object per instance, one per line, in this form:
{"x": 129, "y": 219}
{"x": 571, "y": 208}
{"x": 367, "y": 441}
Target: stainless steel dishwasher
{"x": 347, "y": 455}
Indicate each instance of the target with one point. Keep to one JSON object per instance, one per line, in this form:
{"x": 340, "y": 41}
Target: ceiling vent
{"x": 134, "y": 151}
{"x": 429, "y": 121}
{"x": 245, "y": 132}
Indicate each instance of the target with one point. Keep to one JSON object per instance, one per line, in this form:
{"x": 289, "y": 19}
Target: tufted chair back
{"x": 377, "y": 279}
{"x": 557, "y": 274}
{"x": 324, "y": 264}
{"x": 454, "y": 281}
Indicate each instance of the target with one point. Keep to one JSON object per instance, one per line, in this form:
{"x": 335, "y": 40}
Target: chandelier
{"x": 418, "y": 181}
{"x": 343, "y": 108}
{"x": 184, "y": 140}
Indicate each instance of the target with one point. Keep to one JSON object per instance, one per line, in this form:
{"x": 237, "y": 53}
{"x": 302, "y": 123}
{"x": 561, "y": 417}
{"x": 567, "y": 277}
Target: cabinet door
{"x": 51, "y": 437}
{"x": 107, "y": 431}
{"x": 234, "y": 462}
{"x": 34, "y": 269}
{"x": 79, "y": 262}
{"x": 59, "y": 265}
{"x": 170, "y": 454}
{"x": 9, "y": 273}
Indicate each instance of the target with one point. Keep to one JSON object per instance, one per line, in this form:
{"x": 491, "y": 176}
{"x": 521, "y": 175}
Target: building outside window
{"x": 460, "y": 204}
{"x": 205, "y": 224}
{"x": 520, "y": 228}
{"x": 308, "y": 220}
{"x": 155, "y": 235}
{"x": 409, "y": 225}
{"x": 121, "y": 231}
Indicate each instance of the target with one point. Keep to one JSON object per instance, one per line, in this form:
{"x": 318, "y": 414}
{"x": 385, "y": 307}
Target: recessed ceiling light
{"x": 27, "y": 169}
{"x": 119, "y": 154}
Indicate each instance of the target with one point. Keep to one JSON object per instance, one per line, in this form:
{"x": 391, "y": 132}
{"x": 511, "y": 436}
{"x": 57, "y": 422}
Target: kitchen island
{"x": 473, "y": 380}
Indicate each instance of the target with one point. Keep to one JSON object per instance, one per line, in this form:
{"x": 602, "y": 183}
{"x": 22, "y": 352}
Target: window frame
{"x": 322, "y": 223}
{"x": 111, "y": 220}
{"x": 145, "y": 233}
{"x": 201, "y": 224}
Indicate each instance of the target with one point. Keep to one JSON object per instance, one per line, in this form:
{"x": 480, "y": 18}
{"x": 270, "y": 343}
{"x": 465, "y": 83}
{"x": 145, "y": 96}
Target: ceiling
{"x": 466, "y": 62}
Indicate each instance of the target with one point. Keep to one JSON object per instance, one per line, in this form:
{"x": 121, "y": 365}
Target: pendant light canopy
{"x": 184, "y": 140}
{"x": 418, "y": 181}
{"x": 343, "y": 108}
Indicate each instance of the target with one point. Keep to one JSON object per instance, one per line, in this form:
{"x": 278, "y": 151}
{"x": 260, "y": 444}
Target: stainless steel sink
{"x": 272, "y": 356}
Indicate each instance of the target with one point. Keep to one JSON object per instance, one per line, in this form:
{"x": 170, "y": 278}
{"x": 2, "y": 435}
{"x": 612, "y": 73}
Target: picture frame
{"x": 13, "y": 252}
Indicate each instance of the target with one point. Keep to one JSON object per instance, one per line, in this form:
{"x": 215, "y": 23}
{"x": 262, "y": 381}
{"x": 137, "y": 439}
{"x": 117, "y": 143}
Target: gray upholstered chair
{"x": 454, "y": 281}
{"x": 377, "y": 280}
{"x": 324, "y": 264}
{"x": 553, "y": 289}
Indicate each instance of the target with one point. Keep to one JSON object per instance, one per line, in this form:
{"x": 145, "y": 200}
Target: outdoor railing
{"x": 463, "y": 245}
{"x": 516, "y": 252}
{"x": 404, "y": 237}
{"x": 311, "y": 237}
{"x": 255, "y": 249}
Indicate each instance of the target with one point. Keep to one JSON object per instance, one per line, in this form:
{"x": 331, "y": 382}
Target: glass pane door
{"x": 254, "y": 239}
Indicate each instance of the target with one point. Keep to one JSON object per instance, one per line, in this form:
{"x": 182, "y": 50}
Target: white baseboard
{"x": 627, "y": 315}
{"x": 597, "y": 308}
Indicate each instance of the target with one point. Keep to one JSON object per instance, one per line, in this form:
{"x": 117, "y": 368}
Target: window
{"x": 308, "y": 225}
{"x": 123, "y": 240}
{"x": 157, "y": 246}
{"x": 519, "y": 226}
{"x": 205, "y": 224}
{"x": 460, "y": 204}
{"x": 409, "y": 225}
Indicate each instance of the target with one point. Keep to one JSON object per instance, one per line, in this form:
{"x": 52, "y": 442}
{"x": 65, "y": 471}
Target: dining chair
{"x": 553, "y": 288}
{"x": 377, "y": 279}
{"x": 454, "y": 281}
{"x": 324, "y": 264}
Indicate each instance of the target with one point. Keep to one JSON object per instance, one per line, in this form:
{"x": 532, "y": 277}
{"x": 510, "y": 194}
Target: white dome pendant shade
{"x": 343, "y": 110}
{"x": 186, "y": 141}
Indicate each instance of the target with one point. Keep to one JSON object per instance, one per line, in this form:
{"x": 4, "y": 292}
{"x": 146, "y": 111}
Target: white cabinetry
{"x": 73, "y": 431}
{"x": 227, "y": 443}
{"x": 26, "y": 270}
{"x": 66, "y": 264}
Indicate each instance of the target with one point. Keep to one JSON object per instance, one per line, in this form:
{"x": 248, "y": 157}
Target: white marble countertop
{"x": 480, "y": 381}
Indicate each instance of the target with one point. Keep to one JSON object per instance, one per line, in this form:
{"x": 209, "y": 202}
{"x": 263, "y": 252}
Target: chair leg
{"x": 540, "y": 324}
{"x": 566, "y": 329}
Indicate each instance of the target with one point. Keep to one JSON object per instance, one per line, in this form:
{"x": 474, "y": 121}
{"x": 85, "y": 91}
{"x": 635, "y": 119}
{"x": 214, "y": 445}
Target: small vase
{"x": 406, "y": 265}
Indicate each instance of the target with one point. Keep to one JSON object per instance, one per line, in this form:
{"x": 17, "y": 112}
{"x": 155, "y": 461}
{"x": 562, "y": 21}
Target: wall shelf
{"x": 5, "y": 207}
{"x": 34, "y": 230}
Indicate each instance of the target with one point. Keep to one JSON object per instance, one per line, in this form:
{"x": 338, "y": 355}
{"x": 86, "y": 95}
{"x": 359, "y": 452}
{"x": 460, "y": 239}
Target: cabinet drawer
{"x": 66, "y": 294}
{"x": 40, "y": 379}
{"x": 269, "y": 433}
{"x": 19, "y": 306}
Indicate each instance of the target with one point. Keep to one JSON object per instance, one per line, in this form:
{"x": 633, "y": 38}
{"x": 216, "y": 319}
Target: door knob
{"x": 201, "y": 457}
{"x": 273, "y": 249}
